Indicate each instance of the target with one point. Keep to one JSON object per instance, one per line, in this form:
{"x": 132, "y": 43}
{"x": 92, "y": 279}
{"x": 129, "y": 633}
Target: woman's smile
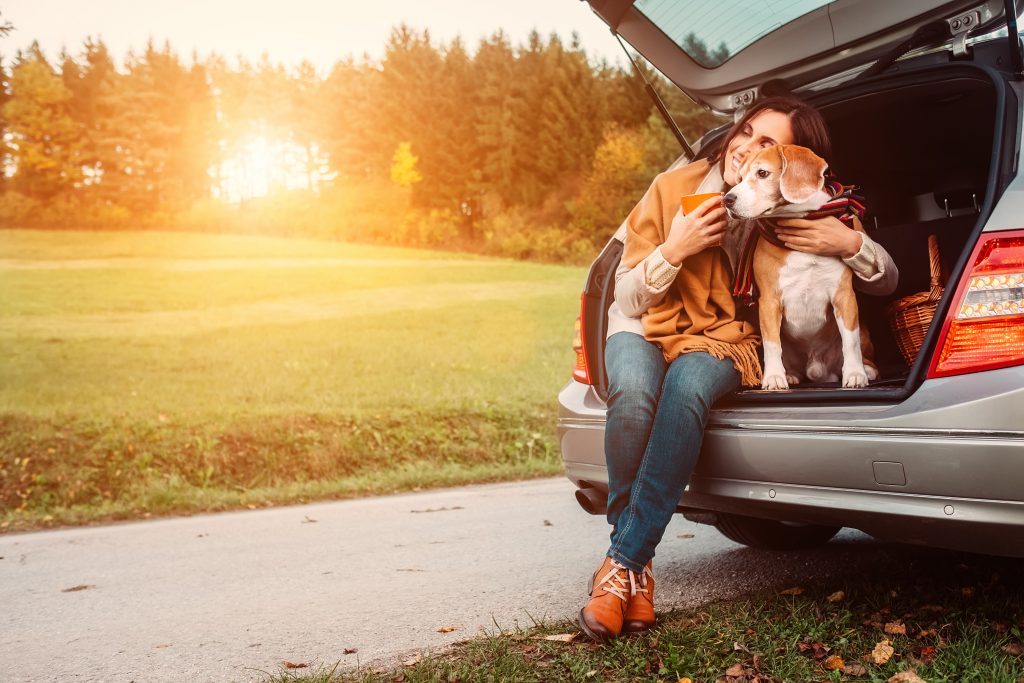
{"x": 763, "y": 130}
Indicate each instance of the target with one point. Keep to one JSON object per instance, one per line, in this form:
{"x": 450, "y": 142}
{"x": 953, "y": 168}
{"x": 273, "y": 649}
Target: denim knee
{"x": 635, "y": 372}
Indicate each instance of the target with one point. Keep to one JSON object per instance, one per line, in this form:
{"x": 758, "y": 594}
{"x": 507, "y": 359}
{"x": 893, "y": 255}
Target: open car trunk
{"x": 921, "y": 144}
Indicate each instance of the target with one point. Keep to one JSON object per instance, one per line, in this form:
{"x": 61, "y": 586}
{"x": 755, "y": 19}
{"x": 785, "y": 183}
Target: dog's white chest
{"x": 808, "y": 283}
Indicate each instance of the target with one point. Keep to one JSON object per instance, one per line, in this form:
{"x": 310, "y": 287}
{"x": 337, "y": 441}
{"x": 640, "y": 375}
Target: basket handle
{"x": 935, "y": 268}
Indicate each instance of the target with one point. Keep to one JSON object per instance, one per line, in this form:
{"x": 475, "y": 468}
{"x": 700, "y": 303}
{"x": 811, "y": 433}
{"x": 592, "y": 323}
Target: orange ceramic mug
{"x": 692, "y": 201}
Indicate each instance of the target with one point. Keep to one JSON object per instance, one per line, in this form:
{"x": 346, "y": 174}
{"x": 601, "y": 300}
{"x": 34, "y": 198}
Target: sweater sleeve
{"x": 875, "y": 271}
{"x": 644, "y": 285}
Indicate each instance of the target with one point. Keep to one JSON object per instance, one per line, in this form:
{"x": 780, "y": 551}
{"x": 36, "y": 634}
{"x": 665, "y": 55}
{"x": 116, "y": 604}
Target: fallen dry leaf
{"x": 350, "y": 651}
{"x": 927, "y": 633}
{"x": 926, "y": 654}
{"x": 734, "y": 670}
{"x": 447, "y": 629}
{"x": 792, "y": 591}
{"x": 293, "y": 665}
{"x": 834, "y": 663}
{"x": 896, "y": 628}
{"x": 80, "y": 587}
{"x": 684, "y": 680}
{"x": 562, "y": 637}
{"x": 883, "y": 652}
{"x": 855, "y": 669}
{"x": 838, "y": 596}
{"x": 908, "y": 676}
{"x": 308, "y": 520}
{"x": 1013, "y": 649}
{"x": 414, "y": 661}
{"x": 815, "y": 650}
{"x": 933, "y": 609}
{"x": 967, "y": 591}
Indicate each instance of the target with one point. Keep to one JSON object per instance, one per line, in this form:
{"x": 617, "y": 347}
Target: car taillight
{"x": 984, "y": 328}
{"x": 581, "y": 373}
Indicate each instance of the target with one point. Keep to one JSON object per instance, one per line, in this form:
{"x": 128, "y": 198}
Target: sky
{"x": 289, "y": 31}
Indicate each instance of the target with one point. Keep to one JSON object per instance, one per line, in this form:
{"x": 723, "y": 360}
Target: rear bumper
{"x": 891, "y": 471}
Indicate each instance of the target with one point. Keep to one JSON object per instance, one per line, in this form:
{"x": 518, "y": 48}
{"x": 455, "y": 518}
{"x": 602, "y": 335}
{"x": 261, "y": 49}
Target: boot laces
{"x": 638, "y": 582}
{"x": 618, "y": 581}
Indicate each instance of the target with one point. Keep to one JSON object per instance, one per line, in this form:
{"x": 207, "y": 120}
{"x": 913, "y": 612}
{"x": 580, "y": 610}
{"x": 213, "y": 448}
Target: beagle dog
{"x": 808, "y": 311}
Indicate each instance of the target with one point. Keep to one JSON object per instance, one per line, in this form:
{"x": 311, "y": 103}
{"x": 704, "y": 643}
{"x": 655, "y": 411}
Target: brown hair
{"x": 809, "y": 129}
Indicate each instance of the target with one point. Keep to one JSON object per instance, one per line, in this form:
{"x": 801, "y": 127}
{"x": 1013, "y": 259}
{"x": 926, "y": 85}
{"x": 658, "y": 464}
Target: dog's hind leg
{"x": 867, "y": 349}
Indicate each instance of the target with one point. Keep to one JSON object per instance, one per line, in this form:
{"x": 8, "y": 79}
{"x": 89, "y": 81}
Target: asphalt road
{"x": 231, "y": 596}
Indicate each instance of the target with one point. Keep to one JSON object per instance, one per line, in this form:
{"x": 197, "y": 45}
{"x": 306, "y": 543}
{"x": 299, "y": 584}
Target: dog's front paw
{"x": 774, "y": 382}
{"x": 855, "y": 380}
{"x": 792, "y": 379}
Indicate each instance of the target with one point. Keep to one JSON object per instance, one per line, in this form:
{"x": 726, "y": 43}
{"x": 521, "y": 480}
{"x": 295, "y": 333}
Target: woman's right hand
{"x": 696, "y": 231}
{"x": 693, "y": 232}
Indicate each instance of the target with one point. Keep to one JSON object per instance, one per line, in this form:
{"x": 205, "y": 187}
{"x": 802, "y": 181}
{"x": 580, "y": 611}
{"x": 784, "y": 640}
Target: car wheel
{"x": 769, "y": 534}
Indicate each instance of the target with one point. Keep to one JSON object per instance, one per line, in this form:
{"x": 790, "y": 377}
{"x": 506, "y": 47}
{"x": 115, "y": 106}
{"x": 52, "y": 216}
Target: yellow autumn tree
{"x": 617, "y": 179}
{"x": 403, "y": 166}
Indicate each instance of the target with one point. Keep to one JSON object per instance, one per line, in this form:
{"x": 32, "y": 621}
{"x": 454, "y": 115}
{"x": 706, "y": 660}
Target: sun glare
{"x": 262, "y": 166}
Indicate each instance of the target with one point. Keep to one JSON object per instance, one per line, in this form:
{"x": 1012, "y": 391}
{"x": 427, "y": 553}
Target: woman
{"x": 696, "y": 350}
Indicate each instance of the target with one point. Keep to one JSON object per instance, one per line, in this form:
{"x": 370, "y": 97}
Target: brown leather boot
{"x": 640, "y": 610}
{"x": 602, "y": 618}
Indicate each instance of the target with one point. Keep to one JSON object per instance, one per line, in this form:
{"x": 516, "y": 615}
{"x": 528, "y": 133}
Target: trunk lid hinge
{"x": 960, "y": 26}
{"x": 955, "y": 30}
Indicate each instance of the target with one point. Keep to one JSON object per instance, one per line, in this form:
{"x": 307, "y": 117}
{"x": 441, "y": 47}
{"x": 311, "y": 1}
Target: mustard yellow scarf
{"x": 698, "y": 312}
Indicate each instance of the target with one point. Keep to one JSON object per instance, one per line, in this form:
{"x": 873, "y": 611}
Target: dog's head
{"x": 778, "y": 179}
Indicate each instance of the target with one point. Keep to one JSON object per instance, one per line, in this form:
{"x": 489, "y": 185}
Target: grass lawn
{"x": 151, "y": 373}
{"x": 930, "y": 622}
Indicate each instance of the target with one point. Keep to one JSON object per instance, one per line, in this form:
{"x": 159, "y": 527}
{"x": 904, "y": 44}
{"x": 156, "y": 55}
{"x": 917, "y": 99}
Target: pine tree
{"x": 493, "y": 183}
{"x": 351, "y": 132}
{"x": 410, "y": 102}
{"x": 92, "y": 83}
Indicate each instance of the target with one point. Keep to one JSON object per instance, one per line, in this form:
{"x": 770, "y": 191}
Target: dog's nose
{"x": 729, "y": 199}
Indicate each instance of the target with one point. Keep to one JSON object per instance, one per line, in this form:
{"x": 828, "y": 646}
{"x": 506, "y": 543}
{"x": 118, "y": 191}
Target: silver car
{"x": 924, "y": 101}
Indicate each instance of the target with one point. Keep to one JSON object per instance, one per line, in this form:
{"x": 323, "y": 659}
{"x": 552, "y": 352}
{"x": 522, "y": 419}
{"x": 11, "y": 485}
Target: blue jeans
{"x": 656, "y": 417}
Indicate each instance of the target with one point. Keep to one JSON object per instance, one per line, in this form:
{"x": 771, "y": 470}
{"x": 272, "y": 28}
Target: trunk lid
{"x": 721, "y": 52}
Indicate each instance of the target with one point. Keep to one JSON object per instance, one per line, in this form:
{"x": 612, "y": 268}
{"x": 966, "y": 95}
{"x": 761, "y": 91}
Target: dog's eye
{"x": 762, "y": 173}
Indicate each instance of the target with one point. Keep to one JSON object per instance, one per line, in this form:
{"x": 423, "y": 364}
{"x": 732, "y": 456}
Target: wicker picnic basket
{"x": 911, "y": 315}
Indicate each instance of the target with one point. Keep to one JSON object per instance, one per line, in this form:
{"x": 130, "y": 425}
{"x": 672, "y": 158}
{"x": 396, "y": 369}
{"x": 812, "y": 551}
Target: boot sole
{"x": 591, "y": 634}
{"x": 639, "y": 632}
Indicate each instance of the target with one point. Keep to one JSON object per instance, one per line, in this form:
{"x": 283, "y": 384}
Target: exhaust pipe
{"x": 594, "y": 501}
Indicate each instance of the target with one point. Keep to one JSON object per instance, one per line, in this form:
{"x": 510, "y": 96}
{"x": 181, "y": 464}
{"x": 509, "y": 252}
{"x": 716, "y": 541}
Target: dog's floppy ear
{"x": 803, "y": 173}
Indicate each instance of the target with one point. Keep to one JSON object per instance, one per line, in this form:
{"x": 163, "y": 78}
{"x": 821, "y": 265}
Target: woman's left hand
{"x": 823, "y": 236}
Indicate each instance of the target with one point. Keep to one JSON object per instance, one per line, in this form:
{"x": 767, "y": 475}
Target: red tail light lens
{"x": 984, "y": 329}
{"x": 581, "y": 373}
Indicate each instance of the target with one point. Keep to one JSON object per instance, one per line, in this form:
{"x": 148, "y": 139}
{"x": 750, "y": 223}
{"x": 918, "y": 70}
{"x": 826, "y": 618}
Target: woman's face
{"x": 763, "y": 130}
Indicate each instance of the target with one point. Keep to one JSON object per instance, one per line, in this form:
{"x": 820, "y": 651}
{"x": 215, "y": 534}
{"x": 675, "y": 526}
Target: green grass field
{"x": 149, "y": 373}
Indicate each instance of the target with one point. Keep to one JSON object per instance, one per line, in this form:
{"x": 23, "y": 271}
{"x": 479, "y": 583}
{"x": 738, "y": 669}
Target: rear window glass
{"x": 712, "y": 31}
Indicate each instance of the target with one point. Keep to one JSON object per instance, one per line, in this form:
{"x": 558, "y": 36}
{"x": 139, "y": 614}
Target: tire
{"x": 769, "y": 534}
